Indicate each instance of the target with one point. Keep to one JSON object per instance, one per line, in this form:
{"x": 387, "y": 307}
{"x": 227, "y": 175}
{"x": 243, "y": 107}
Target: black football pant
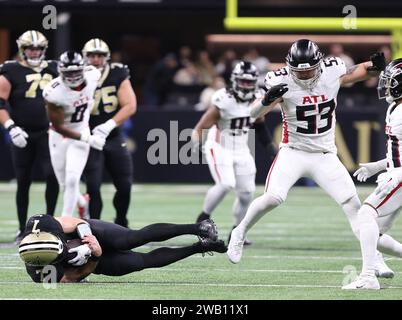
{"x": 117, "y": 160}
{"x": 116, "y": 242}
{"x": 23, "y": 161}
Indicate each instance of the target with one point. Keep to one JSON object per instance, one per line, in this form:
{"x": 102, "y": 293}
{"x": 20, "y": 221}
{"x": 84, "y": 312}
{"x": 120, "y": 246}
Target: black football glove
{"x": 378, "y": 61}
{"x": 274, "y": 93}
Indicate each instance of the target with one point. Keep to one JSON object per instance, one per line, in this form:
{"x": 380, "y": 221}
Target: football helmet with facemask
{"x": 71, "y": 69}
{"x": 390, "y": 82}
{"x": 244, "y": 80}
{"x": 32, "y": 39}
{"x": 304, "y": 61}
{"x": 40, "y": 248}
{"x": 98, "y": 46}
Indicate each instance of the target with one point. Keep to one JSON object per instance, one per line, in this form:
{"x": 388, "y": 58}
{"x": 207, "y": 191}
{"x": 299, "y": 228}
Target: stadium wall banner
{"x": 160, "y": 145}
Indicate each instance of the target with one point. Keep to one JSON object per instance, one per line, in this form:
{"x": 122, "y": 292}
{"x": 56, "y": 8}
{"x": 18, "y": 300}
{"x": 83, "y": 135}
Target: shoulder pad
{"x": 275, "y": 77}
{"x": 220, "y": 98}
{"x": 335, "y": 65}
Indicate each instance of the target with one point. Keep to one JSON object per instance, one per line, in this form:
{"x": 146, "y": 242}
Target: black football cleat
{"x": 209, "y": 246}
{"x": 208, "y": 230}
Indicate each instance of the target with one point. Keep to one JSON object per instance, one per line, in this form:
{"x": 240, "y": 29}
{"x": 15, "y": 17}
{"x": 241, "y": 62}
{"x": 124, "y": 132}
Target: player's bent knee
{"x": 72, "y": 181}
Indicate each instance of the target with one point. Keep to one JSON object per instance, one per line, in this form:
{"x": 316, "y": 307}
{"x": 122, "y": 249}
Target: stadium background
{"x": 141, "y": 33}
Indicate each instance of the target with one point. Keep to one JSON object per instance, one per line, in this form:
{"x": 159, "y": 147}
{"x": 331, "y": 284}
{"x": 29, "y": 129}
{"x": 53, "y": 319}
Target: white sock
{"x": 389, "y": 245}
{"x": 351, "y": 208}
{"x": 214, "y": 196}
{"x": 257, "y": 209}
{"x": 71, "y": 193}
{"x": 369, "y": 232}
{"x": 240, "y": 206}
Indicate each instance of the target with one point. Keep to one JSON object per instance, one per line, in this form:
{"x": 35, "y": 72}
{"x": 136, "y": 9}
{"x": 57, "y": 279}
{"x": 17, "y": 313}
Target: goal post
{"x": 393, "y": 25}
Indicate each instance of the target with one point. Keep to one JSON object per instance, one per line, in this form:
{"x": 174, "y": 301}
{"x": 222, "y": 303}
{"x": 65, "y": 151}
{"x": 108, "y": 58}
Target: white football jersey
{"x": 77, "y": 105}
{"x": 393, "y": 129}
{"x": 308, "y": 116}
{"x": 232, "y": 129}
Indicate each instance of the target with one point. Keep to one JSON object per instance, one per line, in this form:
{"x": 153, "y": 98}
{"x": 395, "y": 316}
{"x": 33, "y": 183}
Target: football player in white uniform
{"x": 306, "y": 90}
{"x": 386, "y": 201}
{"x": 226, "y": 149}
{"x": 69, "y": 100}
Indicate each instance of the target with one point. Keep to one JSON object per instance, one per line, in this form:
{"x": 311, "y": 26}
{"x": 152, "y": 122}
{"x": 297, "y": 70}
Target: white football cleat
{"x": 381, "y": 269}
{"x": 363, "y": 282}
{"x": 235, "y": 247}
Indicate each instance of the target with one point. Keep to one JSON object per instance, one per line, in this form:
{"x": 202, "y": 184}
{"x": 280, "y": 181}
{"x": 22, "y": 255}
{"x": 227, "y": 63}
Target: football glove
{"x": 378, "y": 61}
{"x": 18, "y": 136}
{"x": 104, "y": 129}
{"x": 274, "y": 93}
{"x": 95, "y": 141}
{"x": 368, "y": 170}
{"x": 83, "y": 254}
{"x": 387, "y": 182}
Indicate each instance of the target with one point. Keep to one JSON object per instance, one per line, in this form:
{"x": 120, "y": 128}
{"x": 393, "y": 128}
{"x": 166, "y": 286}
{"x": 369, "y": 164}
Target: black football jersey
{"x": 106, "y": 103}
{"x": 27, "y": 107}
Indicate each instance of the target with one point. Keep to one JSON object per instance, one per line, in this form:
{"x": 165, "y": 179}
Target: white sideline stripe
{"x": 252, "y": 270}
{"x": 212, "y": 285}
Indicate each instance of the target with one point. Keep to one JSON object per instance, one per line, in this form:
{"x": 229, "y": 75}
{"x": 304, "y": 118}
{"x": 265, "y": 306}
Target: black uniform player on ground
{"x": 23, "y": 114}
{"x": 115, "y": 102}
{"x": 107, "y": 247}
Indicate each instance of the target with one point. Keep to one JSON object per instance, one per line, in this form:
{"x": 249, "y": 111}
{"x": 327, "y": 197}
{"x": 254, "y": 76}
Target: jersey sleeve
{"x": 396, "y": 122}
{"x": 5, "y": 70}
{"x": 49, "y": 93}
{"x": 122, "y": 72}
{"x": 335, "y": 66}
{"x": 276, "y": 77}
{"x": 218, "y": 99}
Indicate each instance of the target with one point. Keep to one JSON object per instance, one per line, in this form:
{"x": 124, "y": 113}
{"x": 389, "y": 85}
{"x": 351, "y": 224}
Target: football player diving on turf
{"x": 226, "y": 148}
{"x": 106, "y": 247}
{"x": 306, "y": 90}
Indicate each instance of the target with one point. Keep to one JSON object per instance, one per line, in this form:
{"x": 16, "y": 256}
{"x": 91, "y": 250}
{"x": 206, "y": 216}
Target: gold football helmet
{"x": 32, "y": 39}
{"x": 40, "y": 249}
{"x": 96, "y": 45}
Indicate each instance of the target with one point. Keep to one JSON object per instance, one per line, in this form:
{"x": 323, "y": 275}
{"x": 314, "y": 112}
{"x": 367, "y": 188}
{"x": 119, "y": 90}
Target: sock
{"x": 351, "y": 208}
{"x": 240, "y": 206}
{"x": 214, "y": 196}
{"x": 71, "y": 194}
{"x": 389, "y": 245}
{"x": 257, "y": 209}
{"x": 368, "y": 238}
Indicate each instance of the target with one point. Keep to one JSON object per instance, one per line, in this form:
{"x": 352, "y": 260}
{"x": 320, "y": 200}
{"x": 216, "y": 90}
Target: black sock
{"x": 165, "y": 256}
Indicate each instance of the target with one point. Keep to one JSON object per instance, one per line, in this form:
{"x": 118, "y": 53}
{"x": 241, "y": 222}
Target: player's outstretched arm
{"x": 365, "y": 70}
{"x": 265, "y": 104}
{"x": 69, "y": 224}
{"x": 209, "y": 118}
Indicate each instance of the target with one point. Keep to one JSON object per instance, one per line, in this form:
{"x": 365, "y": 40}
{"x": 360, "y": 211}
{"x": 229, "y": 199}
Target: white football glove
{"x": 83, "y": 254}
{"x": 18, "y": 137}
{"x": 104, "y": 129}
{"x": 368, "y": 170}
{"x": 95, "y": 141}
{"x": 387, "y": 182}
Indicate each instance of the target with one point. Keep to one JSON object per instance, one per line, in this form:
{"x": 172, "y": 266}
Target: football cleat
{"x": 363, "y": 282}
{"x": 208, "y": 230}
{"x": 235, "y": 247}
{"x": 247, "y": 242}
{"x": 209, "y": 246}
{"x": 381, "y": 269}
{"x": 83, "y": 211}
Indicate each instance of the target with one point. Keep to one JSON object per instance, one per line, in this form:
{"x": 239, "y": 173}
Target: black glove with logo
{"x": 274, "y": 93}
{"x": 378, "y": 61}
